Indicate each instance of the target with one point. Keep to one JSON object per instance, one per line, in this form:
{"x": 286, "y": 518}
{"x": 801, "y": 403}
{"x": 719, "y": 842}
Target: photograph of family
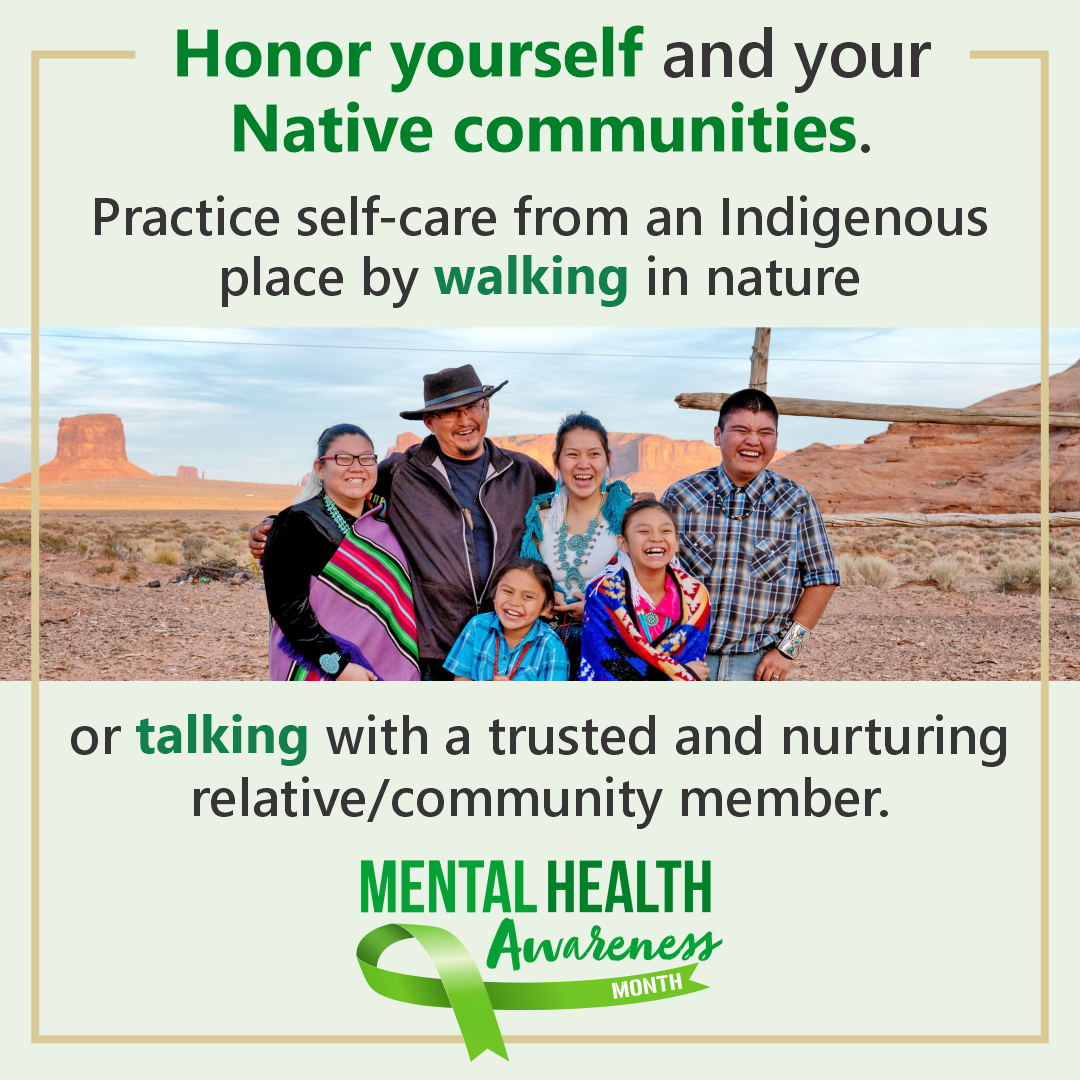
{"x": 458, "y": 560}
{"x": 476, "y": 504}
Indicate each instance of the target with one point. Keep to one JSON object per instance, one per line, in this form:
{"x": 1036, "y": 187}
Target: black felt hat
{"x": 452, "y": 388}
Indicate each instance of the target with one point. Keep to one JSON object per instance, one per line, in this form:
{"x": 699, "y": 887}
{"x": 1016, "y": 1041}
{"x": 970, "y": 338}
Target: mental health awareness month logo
{"x": 461, "y": 987}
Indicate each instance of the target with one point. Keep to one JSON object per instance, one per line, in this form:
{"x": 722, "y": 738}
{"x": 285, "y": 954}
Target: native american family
{"x": 457, "y": 560}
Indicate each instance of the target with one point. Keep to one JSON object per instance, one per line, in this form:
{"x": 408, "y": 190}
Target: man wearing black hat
{"x": 457, "y": 504}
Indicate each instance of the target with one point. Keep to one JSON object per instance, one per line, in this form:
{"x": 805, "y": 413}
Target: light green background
{"x": 963, "y": 134}
{"x": 827, "y": 924}
{"x": 996, "y": 839}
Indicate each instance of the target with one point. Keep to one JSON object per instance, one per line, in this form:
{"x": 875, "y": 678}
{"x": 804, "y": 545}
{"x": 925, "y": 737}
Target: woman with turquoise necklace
{"x": 573, "y": 530}
{"x": 337, "y": 583}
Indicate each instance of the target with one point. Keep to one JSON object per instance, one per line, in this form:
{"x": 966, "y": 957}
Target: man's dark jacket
{"x": 435, "y": 535}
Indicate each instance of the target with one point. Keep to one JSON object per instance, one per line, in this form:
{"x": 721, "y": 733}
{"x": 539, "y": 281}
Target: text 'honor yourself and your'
{"x": 544, "y": 60}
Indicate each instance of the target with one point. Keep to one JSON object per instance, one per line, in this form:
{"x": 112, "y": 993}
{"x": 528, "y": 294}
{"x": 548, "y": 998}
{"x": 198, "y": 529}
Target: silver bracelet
{"x": 795, "y": 637}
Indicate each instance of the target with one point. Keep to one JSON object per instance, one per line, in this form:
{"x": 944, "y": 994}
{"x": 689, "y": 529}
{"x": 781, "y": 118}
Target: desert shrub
{"x": 906, "y": 541}
{"x": 105, "y": 568}
{"x": 7, "y": 569}
{"x": 925, "y": 547}
{"x": 16, "y": 537}
{"x": 192, "y": 546}
{"x": 848, "y": 567}
{"x": 1062, "y": 576}
{"x": 875, "y": 571}
{"x": 131, "y": 572}
{"x": 1026, "y": 576}
{"x": 164, "y": 553}
{"x": 1017, "y": 576}
{"x": 1059, "y": 547}
{"x": 949, "y": 572}
{"x": 903, "y": 559}
{"x": 53, "y": 543}
{"x": 117, "y": 548}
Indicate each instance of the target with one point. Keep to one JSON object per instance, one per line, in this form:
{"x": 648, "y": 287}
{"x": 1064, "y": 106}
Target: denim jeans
{"x": 733, "y": 667}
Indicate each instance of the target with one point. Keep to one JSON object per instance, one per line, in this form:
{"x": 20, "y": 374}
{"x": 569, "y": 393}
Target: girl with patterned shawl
{"x": 646, "y": 619}
{"x": 573, "y": 530}
{"x": 337, "y": 582}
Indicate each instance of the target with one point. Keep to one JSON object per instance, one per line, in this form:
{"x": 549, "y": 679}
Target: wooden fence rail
{"x": 967, "y": 521}
{"x": 908, "y": 414}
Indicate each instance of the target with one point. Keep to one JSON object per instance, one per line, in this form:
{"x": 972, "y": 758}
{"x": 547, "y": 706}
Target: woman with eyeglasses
{"x": 337, "y": 582}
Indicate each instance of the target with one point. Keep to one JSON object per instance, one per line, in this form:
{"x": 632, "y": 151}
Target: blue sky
{"x": 248, "y": 404}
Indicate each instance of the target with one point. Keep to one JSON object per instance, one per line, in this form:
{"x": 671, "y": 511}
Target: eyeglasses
{"x": 345, "y": 460}
{"x": 472, "y": 412}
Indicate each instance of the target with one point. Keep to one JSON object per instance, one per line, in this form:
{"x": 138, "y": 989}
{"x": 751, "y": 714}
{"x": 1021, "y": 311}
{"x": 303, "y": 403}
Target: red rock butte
{"x": 950, "y": 468}
{"x": 89, "y": 447}
{"x": 644, "y": 462}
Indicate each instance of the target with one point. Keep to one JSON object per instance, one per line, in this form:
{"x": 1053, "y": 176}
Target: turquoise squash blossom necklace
{"x": 336, "y": 515}
{"x": 579, "y": 544}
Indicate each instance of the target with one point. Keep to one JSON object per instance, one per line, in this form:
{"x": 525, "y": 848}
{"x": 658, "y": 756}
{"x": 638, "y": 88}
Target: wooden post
{"x": 759, "y": 359}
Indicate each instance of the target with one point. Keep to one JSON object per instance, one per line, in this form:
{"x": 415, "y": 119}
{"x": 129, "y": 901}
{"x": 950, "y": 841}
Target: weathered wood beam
{"x": 759, "y": 359}
{"x": 966, "y": 521}
{"x": 906, "y": 414}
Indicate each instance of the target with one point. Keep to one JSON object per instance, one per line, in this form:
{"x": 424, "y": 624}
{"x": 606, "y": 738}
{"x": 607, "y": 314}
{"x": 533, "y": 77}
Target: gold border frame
{"x": 1043, "y": 1036}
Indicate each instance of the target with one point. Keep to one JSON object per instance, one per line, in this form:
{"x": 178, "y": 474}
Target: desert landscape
{"x": 148, "y": 577}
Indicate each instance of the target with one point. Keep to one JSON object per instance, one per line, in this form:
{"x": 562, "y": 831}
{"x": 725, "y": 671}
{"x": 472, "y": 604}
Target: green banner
{"x": 461, "y": 987}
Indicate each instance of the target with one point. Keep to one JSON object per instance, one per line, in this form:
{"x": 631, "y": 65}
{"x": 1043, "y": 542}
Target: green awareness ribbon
{"x": 461, "y": 987}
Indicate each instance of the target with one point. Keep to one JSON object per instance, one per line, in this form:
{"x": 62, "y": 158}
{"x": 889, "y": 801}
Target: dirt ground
{"x": 98, "y": 624}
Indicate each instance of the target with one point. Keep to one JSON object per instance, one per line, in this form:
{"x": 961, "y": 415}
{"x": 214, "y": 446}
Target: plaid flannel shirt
{"x": 755, "y": 548}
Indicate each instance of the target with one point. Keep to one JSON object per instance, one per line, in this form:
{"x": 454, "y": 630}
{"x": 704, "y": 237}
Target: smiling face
{"x": 650, "y": 539}
{"x": 520, "y": 600}
{"x": 347, "y": 485}
{"x": 460, "y": 432}
{"x": 582, "y": 462}
{"x": 747, "y": 444}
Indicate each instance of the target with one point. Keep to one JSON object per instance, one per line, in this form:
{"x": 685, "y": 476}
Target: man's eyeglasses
{"x": 345, "y": 460}
{"x": 472, "y": 412}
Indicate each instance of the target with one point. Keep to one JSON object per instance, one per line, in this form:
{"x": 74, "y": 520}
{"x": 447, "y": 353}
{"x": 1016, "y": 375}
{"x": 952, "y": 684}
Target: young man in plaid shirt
{"x": 758, "y": 542}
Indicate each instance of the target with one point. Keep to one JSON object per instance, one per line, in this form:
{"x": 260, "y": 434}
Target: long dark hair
{"x": 581, "y": 421}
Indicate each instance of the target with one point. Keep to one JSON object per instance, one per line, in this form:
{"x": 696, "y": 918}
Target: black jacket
{"x": 435, "y": 535}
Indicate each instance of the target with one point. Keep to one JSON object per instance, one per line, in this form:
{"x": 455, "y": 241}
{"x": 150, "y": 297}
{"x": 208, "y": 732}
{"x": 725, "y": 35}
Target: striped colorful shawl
{"x": 613, "y": 646}
{"x": 363, "y": 598}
